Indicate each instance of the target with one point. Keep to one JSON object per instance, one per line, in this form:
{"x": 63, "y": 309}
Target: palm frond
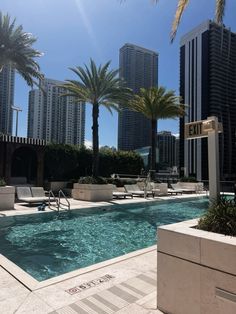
{"x": 157, "y": 103}
{"x": 182, "y": 4}
{"x": 220, "y": 11}
{"x": 16, "y": 49}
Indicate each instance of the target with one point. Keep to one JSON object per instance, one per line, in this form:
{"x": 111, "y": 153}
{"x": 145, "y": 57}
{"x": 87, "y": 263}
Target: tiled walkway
{"x": 122, "y": 298}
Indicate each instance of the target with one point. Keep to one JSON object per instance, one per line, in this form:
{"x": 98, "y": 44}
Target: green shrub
{"x": 188, "y": 179}
{"x": 2, "y": 182}
{"x": 66, "y": 162}
{"x": 92, "y": 180}
{"x": 60, "y": 162}
{"x": 125, "y": 162}
{"x": 220, "y": 218}
{"x": 121, "y": 182}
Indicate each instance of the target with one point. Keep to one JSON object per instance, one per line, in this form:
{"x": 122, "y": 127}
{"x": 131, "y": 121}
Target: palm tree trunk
{"x": 95, "y": 140}
{"x": 154, "y": 141}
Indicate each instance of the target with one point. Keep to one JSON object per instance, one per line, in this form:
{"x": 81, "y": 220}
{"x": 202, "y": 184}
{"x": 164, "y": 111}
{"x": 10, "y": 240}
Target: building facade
{"x": 166, "y": 143}
{"x": 7, "y": 82}
{"x": 139, "y": 68}
{"x": 54, "y": 118}
{"x": 208, "y": 87}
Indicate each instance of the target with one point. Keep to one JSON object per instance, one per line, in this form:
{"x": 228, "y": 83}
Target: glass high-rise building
{"x": 208, "y": 87}
{"x": 54, "y": 118}
{"x": 7, "y": 82}
{"x": 166, "y": 143}
{"x": 139, "y": 68}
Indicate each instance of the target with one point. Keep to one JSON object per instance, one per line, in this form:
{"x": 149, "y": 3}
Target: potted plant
{"x": 197, "y": 263}
{"x": 7, "y": 196}
{"x": 92, "y": 189}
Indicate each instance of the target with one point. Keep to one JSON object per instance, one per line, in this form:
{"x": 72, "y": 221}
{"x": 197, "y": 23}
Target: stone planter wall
{"x": 196, "y": 270}
{"x": 7, "y": 197}
{"x": 92, "y": 192}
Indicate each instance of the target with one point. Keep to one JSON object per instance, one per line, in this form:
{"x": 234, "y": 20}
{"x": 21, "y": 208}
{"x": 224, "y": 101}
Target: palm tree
{"x": 98, "y": 86}
{"x": 157, "y": 103}
{"x": 182, "y": 4}
{"x": 16, "y": 50}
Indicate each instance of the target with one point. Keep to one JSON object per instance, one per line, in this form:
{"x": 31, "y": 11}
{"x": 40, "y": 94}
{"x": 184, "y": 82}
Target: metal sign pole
{"x": 213, "y": 161}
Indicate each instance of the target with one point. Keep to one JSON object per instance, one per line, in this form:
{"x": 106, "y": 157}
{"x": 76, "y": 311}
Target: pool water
{"x": 50, "y": 244}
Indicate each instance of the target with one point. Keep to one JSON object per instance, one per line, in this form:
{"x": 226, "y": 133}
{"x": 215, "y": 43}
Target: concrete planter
{"x": 92, "y": 192}
{"x": 196, "y": 270}
{"x": 7, "y": 197}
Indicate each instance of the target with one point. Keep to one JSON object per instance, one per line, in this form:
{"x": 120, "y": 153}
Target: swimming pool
{"x": 50, "y": 244}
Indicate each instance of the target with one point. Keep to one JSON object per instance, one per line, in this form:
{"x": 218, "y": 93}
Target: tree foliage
{"x": 16, "y": 50}
{"x": 97, "y": 86}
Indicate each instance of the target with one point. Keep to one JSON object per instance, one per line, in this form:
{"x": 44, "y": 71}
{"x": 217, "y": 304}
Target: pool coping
{"x": 33, "y": 284}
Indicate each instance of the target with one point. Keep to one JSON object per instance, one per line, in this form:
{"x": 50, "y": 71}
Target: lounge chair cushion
{"x": 34, "y": 199}
{"x": 23, "y": 192}
{"x": 38, "y": 192}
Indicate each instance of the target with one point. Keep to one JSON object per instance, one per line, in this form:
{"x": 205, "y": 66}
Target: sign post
{"x": 208, "y": 128}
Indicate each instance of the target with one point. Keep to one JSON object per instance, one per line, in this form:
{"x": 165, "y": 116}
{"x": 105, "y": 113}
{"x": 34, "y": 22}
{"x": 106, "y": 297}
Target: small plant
{"x": 220, "y": 218}
{"x": 2, "y": 182}
{"x": 92, "y": 180}
{"x": 121, "y": 182}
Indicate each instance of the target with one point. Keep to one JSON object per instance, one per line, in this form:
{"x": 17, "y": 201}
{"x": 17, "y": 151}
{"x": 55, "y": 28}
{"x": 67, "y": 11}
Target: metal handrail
{"x": 51, "y": 194}
{"x": 59, "y": 199}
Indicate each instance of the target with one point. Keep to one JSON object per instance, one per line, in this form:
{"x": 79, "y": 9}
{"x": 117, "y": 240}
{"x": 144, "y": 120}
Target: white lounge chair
{"x": 177, "y": 186}
{"x": 33, "y": 195}
{"x": 136, "y": 191}
{"x": 120, "y": 194}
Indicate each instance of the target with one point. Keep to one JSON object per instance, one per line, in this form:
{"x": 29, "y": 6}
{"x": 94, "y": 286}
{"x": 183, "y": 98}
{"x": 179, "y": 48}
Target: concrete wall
{"x": 7, "y": 197}
{"x": 92, "y": 192}
{"x": 196, "y": 271}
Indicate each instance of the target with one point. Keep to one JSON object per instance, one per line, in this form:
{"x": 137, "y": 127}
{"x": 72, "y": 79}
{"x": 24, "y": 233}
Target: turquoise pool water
{"x": 51, "y": 244}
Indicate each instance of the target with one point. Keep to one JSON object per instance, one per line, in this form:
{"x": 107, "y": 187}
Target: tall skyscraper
{"x": 208, "y": 87}
{"x": 166, "y": 149}
{"x": 139, "y": 68}
{"x": 7, "y": 81}
{"x": 54, "y": 118}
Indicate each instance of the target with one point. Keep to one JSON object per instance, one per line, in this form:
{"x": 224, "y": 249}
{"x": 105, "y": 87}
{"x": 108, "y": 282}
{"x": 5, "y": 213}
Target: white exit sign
{"x": 201, "y": 128}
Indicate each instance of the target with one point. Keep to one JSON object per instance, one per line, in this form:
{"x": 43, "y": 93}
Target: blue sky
{"x": 69, "y": 32}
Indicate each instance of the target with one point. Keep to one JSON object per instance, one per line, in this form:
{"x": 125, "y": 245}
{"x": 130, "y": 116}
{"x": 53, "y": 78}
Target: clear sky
{"x": 70, "y": 32}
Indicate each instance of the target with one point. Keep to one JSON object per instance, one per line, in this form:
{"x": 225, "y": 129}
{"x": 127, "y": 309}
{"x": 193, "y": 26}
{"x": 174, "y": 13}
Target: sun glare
{"x": 88, "y": 25}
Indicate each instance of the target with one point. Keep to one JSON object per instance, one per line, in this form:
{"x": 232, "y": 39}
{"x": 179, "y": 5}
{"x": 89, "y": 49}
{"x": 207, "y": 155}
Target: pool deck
{"x": 125, "y": 285}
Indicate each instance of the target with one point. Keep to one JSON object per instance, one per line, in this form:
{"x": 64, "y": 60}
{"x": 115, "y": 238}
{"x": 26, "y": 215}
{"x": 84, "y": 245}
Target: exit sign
{"x": 195, "y": 130}
{"x": 201, "y": 128}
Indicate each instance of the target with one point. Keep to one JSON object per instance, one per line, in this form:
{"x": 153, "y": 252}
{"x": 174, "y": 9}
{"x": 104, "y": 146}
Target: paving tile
{"x": 132, "y": 288}
{"x": 147, "y": 279}
{"x": 33, "y": 304}
{"x": 115, "y": 300}
{"x": 100, "y": 305}
{"x": 107, "y": 303}
{"x": 141, "y": 285}
{"x": 134, "y": 309}
{"x": 85, "y": 307}
{"x": 66, "y": 310}
{"x": 123, "y": 294}
{"x": 130, "y": 291}
{"x": 55, "y": 297}
{"x": 10, "y": 305}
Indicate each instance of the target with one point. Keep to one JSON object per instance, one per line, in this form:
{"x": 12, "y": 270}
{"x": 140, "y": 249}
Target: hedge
{"x": 66, "y": 162}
